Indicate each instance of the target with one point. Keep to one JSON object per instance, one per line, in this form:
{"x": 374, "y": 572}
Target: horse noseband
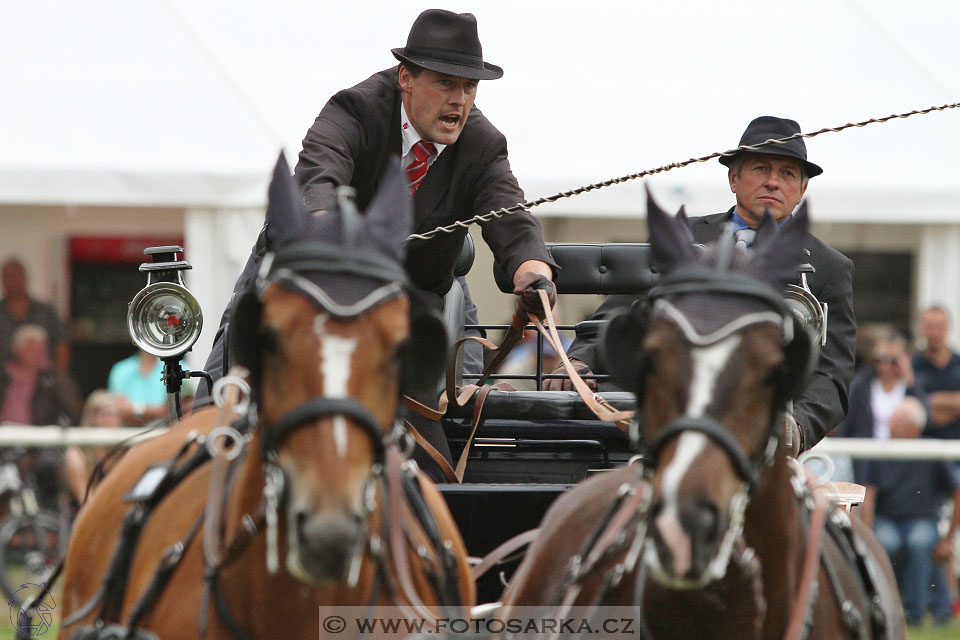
{"x": 748, "y": 469}
{"x": 320, "y": 408}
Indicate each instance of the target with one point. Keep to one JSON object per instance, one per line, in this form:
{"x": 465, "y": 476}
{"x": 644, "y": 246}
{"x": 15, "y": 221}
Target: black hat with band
{"x": 447, "y": 42}
{"x": 771, "y": 128}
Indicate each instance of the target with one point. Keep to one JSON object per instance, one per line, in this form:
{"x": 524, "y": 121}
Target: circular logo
{"x": 334, "y": 624}
{"x": 34, "y": 616}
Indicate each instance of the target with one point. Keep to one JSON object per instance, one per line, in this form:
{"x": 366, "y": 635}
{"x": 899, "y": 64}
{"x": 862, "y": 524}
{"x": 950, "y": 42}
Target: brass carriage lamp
{"x": 164, "y": 318}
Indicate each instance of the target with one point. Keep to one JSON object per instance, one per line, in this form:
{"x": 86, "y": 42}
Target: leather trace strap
{"x": 801, "y": 612}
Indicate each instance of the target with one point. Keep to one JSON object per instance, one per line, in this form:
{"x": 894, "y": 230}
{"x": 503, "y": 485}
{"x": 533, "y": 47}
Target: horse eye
{"x": 399, "y": 353}
{"x": 269, "y": 340}
{"x": 647, "y": 366}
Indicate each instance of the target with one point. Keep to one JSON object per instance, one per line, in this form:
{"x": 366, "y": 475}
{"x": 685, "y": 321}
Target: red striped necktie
{"x": 417, "y": 169}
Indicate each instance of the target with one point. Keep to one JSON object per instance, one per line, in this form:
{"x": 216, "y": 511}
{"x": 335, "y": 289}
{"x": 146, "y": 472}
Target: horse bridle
{"x": 332, "y": 260}
{"x": 701, "y": 281}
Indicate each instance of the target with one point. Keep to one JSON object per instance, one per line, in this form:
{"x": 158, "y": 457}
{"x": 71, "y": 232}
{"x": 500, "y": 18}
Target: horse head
{"x": 325, "y": 333}
{"x": 714, "y": 355}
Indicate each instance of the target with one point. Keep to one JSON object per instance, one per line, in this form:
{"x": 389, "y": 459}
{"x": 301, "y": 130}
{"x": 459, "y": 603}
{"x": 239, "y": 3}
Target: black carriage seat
{"x": 542, "y": 421}
{"x": 605, "y": 268}
{"x": 586, "y": 268}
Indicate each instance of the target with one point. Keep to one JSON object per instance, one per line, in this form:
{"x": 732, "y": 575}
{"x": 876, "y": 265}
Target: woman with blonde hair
{"x": 102, "y": 409}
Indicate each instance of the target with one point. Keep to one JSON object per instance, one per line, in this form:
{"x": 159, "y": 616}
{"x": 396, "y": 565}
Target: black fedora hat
{"x": 447, "y": 42}
{"x": 769, "y": 127}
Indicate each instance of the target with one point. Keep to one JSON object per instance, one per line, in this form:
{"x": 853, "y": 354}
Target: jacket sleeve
{"x": 326, "y": 160}
{"x": 823, "y": 404}
{"x": 513, "y": 238}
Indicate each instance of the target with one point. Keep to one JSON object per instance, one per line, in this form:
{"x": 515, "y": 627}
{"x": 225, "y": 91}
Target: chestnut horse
{"x": 305, "y": 501}
{"x": 716, "y": 533}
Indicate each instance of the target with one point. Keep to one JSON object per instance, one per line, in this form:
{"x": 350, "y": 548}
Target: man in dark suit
{"x": 429, "y": 97}
{"x": 422, "y": 111}
{"x": 775, "y": 178}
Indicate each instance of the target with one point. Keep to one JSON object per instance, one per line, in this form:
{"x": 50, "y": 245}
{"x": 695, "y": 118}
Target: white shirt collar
{"x": 410, "y": 137}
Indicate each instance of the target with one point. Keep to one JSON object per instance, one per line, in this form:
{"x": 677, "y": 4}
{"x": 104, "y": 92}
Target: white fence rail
{"x": 899, "y": 449}
{"x": 27, "y": 436}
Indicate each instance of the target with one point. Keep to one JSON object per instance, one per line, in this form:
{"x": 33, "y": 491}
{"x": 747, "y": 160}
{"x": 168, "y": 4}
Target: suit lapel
{"x": 709, "y": 227}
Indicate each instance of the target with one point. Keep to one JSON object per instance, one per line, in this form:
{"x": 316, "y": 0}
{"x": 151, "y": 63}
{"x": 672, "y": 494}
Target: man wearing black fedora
{"x": 774, "y": 177}
{"x": 428, "y": 98}
{"x": 422, "y": 112}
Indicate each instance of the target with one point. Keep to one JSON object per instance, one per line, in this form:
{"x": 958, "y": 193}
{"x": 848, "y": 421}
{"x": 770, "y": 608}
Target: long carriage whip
{"x": 526, "y": 206}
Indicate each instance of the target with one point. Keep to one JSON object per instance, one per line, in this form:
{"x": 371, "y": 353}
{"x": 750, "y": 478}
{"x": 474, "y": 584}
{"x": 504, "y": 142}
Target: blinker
{"x": 149, "y": 482}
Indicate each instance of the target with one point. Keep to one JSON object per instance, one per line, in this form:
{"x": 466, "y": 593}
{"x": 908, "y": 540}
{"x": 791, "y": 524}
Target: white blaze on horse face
{"x": 336, "y": 353}
{"x": 708, "y": 362}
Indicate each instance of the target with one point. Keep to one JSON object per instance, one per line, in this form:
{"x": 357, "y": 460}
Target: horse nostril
{"x": 656, "y": 507}
{"x": 706, "y": 519}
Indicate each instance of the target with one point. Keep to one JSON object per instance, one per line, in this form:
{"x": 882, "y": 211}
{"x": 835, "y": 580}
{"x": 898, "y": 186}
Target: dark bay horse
{"x": 716, "y": 533}
{"x": 249, "y": 525}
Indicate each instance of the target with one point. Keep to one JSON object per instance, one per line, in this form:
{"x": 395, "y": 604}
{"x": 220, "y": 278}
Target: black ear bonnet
{"x": 345, "y": 264}
{"x": 710, "y": 293}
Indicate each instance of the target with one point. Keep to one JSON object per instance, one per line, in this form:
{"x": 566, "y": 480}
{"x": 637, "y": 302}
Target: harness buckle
{"x": 238, "y": 442}
{"x": 272, "y": 490}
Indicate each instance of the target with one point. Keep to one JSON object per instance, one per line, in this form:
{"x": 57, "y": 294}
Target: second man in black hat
{"x": 774, "y": 177}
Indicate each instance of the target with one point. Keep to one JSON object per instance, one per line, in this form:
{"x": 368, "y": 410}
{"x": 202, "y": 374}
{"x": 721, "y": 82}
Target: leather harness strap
{"x": 435, "y": 455}
{"x": 803, "y": 605}
{"x": 503, "y": 550}
{"x": 512, "y": 338}
{"x": 600, "y": 407}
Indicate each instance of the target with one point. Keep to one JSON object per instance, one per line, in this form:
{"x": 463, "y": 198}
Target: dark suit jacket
{"x": 358, "y": 132}
{"x": 823, "y": 404}
{"x": 350, "y": 143}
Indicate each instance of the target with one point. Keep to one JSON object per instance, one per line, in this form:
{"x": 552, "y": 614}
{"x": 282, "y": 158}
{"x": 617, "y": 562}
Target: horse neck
{"x": 773, "y": 527}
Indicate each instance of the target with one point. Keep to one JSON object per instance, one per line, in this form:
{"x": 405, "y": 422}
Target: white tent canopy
{"x": 176, "y": 103}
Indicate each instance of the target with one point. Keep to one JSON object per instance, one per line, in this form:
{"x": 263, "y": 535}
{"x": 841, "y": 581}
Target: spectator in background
{"x": 32, "y": 391}
{"x": 903, "y": 503}
{"x": 17, "y": 308}
{"x": 937, "y": 369}
{"x": 102, "y": 409}
{"x": 877, "y": 390}
{"x": 138, "y": 382}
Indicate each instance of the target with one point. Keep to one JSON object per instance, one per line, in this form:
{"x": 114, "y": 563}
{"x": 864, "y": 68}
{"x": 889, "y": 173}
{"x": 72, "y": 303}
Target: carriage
{"x": 356, "y": 525}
